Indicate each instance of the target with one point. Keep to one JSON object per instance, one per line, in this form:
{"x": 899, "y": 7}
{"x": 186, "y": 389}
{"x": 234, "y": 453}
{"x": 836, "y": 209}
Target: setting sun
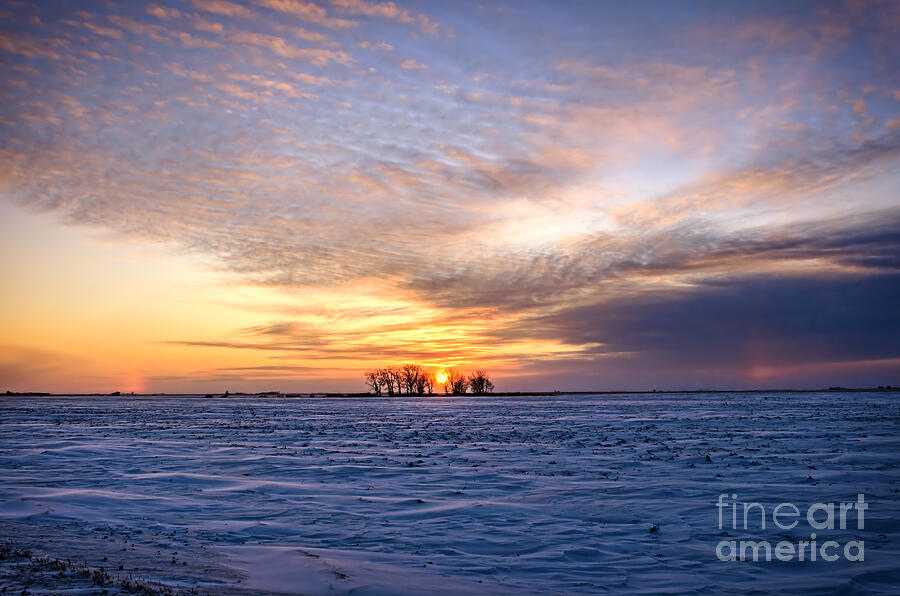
{"x": 442, "y": 377}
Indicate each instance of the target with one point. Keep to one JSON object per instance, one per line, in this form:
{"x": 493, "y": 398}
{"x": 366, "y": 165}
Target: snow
{"x": 499, "y": 495}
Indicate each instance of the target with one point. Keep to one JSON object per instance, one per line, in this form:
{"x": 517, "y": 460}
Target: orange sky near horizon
{"x": 118, "y": 304}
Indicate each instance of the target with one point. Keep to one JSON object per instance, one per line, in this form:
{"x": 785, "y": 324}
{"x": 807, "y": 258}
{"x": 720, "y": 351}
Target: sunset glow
{"x": 208, "y": 195}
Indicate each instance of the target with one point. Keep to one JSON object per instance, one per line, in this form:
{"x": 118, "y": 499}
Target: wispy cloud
{"x": 163, "y": 12}
{"x": 223, "y": 7}
{"x": 389, "y": 11}
{"x": 307, "y": 11}
{"x": 280, "y": 47}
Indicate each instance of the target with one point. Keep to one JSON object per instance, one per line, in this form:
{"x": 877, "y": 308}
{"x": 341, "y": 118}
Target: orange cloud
{"x": 208, "y": 26}
{"x": 223, "y": 7}
{"x": 97, "y": 29}
{"x": 389, "y": 11}
{"x": 280, "y": 47}
{"x": 307, "y": 11}
{"x": 163, "y": 12}
{"x": 413, "y": 65}
{"x": 382, "y": 10}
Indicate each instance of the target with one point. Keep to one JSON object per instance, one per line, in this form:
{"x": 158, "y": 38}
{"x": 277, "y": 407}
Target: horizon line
{"x": 218, "y": 395}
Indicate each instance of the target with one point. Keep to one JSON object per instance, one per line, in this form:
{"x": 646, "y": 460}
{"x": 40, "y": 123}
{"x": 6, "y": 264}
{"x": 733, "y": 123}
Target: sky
{"x": 208, "y": 195}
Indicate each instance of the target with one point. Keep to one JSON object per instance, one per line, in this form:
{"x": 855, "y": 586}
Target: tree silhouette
{"x": 428, "y": 380}
{"x": 480, "y": 382}
{"x": 457, "y": 382}
{"x": 395, "y": 373}
{"x": 410, "y": 374}
{"x": 373, "y": 381}
{"x": 386, "y": 380}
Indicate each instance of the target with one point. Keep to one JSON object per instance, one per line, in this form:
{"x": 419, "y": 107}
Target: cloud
{"x": 270, "y": 84}
{"x": 382, "y": 10}
{"x": 280, "y": 47}
{"x": 307, "y": 11}
{"x": 163, "y": 12}
{"x": 192, "y": 41}
{"x": 429, "y": 27}
{"x": 660, "y": 260}
{"x": 24, "y": 44}
{"x": 131, "y": 25}
{"x": 277, "y": 328}
{"x": 310, "y": 36}
{"x": 97, "y": 29}
{"x": 413, "y": 65}
{"x": 385, "y": 47}
{"x": 783, "y": 182}
{"x": 224, "y": 8}
{"x": 388, "y": 11}
{"x": 208, "y": 26}
{"x": 749, "y": 331}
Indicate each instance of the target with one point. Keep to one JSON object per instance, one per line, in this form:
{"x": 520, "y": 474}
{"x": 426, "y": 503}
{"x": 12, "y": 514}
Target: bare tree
{"x": 386, "y": 380}
{"x": 396, "y": 375}
{"x": 428, "y": 380}
{"x": 480, "y": 382}
{"x": 446, "y": 382}
{"x": 373, "y": 381}
{"x": 410, "y": 375}
{"x": 457, "y": 382}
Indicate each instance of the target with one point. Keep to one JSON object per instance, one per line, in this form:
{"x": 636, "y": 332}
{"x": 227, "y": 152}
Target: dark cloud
{"x": 736, "y": 330}
{"x": 276, "y": 328}
{"x": 610, "y": 263}
{"x": 778, "y": 319}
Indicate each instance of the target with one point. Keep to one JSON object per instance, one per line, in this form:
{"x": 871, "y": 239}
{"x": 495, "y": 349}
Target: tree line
{"x": 412, "y": 379}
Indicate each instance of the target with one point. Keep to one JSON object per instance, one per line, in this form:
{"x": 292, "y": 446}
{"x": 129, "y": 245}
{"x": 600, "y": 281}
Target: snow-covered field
{"x": 530, "y": 495}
